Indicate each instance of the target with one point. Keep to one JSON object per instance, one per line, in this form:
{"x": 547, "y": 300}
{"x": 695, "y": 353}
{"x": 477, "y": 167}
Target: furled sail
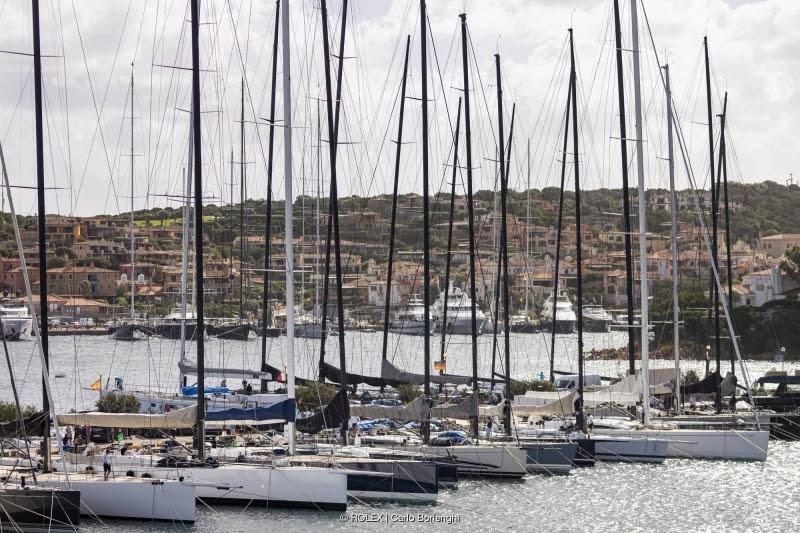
{"x": 178, "y": 419}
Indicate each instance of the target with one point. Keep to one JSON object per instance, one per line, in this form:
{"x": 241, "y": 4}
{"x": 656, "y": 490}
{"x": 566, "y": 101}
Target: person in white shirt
{"x": 106, "y": 464}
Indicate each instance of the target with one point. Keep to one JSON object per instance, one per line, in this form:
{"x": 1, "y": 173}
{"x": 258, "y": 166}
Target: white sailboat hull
{"x": 708, "y": 444}
{"x": 491, "y": 461}
{"x": 272, "y": 486}
{"x": 126, "y": 497}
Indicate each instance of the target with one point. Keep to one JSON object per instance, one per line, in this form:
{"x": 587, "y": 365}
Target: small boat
{"x": 170, "y": 325}
{"x": 565, "y": 318}
{"x": 596, "y": 319}
{"x": 411, "y": 320}
{"x": 237, "y": 330}
{"x": 17, "y": 322}
{"x": 459, "y": 314}
{"x": 522, "y": 324}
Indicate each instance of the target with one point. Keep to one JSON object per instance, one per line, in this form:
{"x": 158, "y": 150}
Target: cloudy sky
{"x": 753, "y": 48}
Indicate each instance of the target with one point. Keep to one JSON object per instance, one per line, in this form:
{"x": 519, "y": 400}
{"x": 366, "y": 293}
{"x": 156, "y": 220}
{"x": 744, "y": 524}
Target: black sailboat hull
{"x": 236, "y": 332}
{"x": 37, "y": 509}
{"x": 173, "y": 330}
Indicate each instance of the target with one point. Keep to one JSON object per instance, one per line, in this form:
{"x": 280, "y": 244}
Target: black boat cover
{"x": 328, "y": 417}
{"x": 707, "y": 385}
{"x": 35, "y": 426}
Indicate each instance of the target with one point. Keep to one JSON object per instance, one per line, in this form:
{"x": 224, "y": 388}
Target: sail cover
{"x": 281, "y": 411}
{"x": 392, "y": 374}
{"x": 178, "y": 419}
{"x": 416, "y": 410}
{"x": 328, "y": 417}
{"x": 707, "y": 385}
{"x": 419, "y": 409}
{"x": 189, "y": 368}
{"x": 34, "y": 427}
{"x": 333, "y": 374}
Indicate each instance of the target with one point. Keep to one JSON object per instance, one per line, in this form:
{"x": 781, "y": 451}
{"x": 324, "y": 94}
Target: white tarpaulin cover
{"x": 180, "y": 418}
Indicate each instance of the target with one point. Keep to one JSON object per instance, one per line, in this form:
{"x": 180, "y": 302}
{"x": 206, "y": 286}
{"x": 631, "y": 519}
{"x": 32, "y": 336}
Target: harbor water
{"x": 680, "y": 495}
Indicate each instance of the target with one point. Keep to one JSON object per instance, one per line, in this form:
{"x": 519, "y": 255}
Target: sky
{"x": 91, "y": 45}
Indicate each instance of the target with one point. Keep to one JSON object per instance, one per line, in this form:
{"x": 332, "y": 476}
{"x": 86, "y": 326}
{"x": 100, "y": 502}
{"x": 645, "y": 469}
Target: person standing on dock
{"x": 106, "y": 464}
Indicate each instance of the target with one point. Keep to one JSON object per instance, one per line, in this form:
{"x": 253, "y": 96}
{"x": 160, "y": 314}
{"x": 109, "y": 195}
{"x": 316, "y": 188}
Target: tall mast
{"x": 133, "y": 234}
{"x": 333, "y": 130}
{"x": 388, "y": 301}
{"x": 527, "y": 223}
{"x": 506, "y": 298}
{"x": 644, "y": 289}
{"x": 578, "y": 250}
{"x": 558, "y": 236}
{"x": 332, "y": 221}
{"x": 198, "y": 225}
{"x": 426, "y": 238}
{"x": 241, "y": 206}
{"x": 714, "y": 246}
{"x": 626, "y": 200}
{"x": 470, "y": 216}
{"x": 449, "y": 247}
{"x": 724, "y": 153}
{"x": 268, "y": 223}
{"x": 42, "y": 219}
{"x": 673, "y": 245}
{"x": 503, "y": 256}
{"x": 287, "y": 202}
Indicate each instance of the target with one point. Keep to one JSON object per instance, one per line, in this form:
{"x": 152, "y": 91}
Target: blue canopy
{"x": 285, "y": 410}
{"x": 192, "y": 390}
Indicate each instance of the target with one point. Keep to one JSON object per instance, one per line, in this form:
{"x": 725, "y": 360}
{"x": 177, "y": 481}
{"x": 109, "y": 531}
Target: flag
{"x": 97, "y": 385}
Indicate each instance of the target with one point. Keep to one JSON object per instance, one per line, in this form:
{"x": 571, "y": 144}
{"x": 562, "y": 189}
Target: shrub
{"x": 407, "y": 392}
{"x": 310, "y": 397}
{"x": 689, "y": 377}
{"x": 8, "y": 411}
{"x": 118, "y": 403}
{"x": 521, "y": 387}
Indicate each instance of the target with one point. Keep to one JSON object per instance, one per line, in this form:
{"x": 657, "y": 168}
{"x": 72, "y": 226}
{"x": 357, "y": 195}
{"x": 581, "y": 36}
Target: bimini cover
{"x": 178, "y": 419}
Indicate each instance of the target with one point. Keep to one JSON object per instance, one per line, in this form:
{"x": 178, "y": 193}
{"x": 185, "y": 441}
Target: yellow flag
{"x": 96, "y": 385}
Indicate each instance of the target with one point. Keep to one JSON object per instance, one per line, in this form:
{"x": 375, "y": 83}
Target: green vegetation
{"x": 523, "y": 386}
{"x": 118, "y": 403}
{"x": 407, "y": 392}
{"x": 8, "y": 411}
{"x": 310, "y": 397}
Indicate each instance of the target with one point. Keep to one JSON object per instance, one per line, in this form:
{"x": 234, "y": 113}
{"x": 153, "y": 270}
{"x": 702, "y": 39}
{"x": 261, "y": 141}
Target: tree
{"x": 790, "y": 264}
{"x": 114, "y": 402}
{"x": 8, "y": 411}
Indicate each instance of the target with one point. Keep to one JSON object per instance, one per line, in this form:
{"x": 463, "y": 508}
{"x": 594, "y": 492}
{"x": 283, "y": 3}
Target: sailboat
{"x": 266, "y": 485}
{"x": 122, "y": 498}
{"x": 684, "y": 443}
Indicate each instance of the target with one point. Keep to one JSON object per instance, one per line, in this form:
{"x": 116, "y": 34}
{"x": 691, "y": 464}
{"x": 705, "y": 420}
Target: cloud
{"x": 753, "y": 51}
